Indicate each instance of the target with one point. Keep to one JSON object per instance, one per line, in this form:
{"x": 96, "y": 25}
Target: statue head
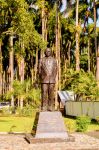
{"x": 48, "y": 52}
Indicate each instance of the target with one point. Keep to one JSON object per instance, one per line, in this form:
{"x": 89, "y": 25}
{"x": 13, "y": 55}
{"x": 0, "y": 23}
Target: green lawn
{"x": 25, "y": 124}
{"x": 16, "y": 124}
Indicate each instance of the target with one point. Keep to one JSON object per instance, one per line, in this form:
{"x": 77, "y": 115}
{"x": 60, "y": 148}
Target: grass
{"x": 25, "y": 124}
{"x": 16, "y": 124}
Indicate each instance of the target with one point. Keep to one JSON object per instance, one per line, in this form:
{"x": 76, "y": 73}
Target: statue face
{"x": 48, "y": 52}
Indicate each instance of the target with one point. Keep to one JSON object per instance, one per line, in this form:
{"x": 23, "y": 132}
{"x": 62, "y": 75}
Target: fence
{"x": 82, "y": 108}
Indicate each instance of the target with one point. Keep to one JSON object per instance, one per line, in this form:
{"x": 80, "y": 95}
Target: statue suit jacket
{"x": 48, "y": 69}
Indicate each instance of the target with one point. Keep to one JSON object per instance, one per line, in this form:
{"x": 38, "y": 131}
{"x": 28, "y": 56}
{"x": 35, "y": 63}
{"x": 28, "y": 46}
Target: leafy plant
{"x": 5, "y": 112}
{"x": 25, "y": 89}
{"x": 70, "y": 124}
{"x": 27, "y": 111}
{"x": 97, "y": 119}
{"x": 82, "y": 83}
{"x": 82, "y": 123}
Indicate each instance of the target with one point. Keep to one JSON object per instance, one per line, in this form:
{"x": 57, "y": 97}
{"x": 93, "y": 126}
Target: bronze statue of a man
{"x": 48, "y": 72}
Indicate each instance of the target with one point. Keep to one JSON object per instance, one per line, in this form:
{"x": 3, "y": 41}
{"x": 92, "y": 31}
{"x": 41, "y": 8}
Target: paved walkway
{"x": 18, "y": 142}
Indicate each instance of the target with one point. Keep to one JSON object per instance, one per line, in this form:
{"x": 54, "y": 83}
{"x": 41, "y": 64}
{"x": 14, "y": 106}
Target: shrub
{"x": 27, "y": 111}
{"x": 82, "y": 83}
{"x": 82, "y": 123}
{"x": 70, "y": 125}
{"x": 5, "y": 112}
{"x": 97, "y": 119}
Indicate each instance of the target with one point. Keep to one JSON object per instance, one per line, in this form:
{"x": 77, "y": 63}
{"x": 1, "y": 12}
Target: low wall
{"x": 82, "y": 108}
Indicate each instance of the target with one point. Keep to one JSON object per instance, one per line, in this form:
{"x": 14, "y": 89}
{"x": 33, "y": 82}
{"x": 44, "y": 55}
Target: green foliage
{"x": 34, "y": 95}
{"x": 82, "y": 123}
{"x": 5, "y": 112}
{"x": 82, "y": 83}
{"x": 25, "y": 90}
{"x": 17, "y": 19}
{"x": 70, "y": 124}
{"x": 84, "y": 60}
{"x": 27, "y": 111}
{"x": 97, "y": 119}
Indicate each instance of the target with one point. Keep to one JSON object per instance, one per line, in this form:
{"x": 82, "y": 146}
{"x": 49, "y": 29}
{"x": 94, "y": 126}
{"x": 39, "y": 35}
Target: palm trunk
{"x": 3, "y": 84}
{"x": 58, "y": 78}
{"x": 77, "y": 40}
{"x": 11, "y": 66}
{"x": 56, "y": 45}
{"x": 0, "y": 69}
{"x": 43, "y": 25}
{"x": 22, "y": 74}
{"x": 36, "y": 64}
{"x": 32, "y": 74}
{"x": 18, "y": 101}
{"x": 46, "y": 28}
{"x": 32, "y": 70}
{"x": 22, "y": 80}
{"x": 88, "y": 55}
{"x": 96, "y": 49}
{"x": 59, "y": 60}
{"x": 95, "y": 27}
{"x": 97, "y": 66}
{"x": 69, "y": 53}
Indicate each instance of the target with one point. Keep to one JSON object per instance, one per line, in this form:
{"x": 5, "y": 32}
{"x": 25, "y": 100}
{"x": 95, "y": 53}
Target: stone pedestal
{"x": 51, "y": 125}
{"x": 50, "y": 128}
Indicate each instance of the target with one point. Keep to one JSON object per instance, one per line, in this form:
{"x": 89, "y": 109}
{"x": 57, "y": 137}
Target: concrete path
{"x": 18, "y": 142}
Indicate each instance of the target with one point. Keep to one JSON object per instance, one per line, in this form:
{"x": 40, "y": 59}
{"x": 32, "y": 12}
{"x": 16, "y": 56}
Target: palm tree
{"x": 77, "y": 39}
{"x": 96, "y": 43}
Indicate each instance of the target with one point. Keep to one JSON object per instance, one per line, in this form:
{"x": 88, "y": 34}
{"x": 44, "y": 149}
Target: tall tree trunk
{"x": 69, "y": 46}
{"x": 95, "y": 27}
{"x": 88, "y": 54}
{"x": 46, "y": 28}
{"x": 36, "y": 64}
{"x": 77, "y": 40}
{"x": 96, "y": 49}
{"x": 22, "y": 73}
{"x": 11, "y": 66}
{"x": 22, "y": 80}
{"x": 56, "y": 45}
{"x": 59, "y": 59}
{"x": 58, "y": 36}
{"x": 44, "y": 25}
{"x": 0, "y": 68}
{"x": 32, "y": 70}
{"x": 97, "y": 66}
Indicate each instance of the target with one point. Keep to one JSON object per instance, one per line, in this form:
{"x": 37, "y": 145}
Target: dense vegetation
{"x": 27, "y": 27}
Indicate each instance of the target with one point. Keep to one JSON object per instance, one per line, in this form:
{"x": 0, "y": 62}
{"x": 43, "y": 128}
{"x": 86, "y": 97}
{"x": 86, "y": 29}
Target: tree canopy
{"x": 27, "y": 27}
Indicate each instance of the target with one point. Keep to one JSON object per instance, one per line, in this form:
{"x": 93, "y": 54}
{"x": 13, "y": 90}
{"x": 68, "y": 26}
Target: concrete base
{"x": 50, "y": 128}
{"x": 33, "y": 140}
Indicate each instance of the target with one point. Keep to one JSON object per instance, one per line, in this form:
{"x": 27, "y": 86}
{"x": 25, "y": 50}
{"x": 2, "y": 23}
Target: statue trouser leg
{"x": 44, "y": 103}
{"x": 51, "y": 99}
